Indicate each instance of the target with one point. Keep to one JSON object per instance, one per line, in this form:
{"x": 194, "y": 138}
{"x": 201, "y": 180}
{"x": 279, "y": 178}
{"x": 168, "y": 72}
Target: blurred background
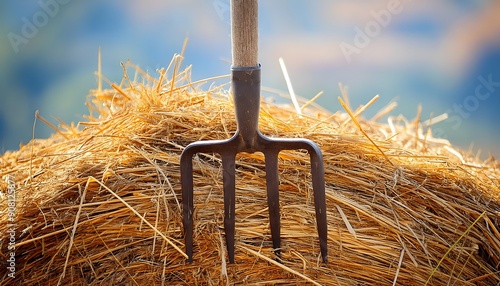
{"x": 444, "y": 55}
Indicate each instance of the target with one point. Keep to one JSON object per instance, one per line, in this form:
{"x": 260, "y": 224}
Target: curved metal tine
{"x": 228, "y": 166}
{"x": 272, "y": 185}
{"x": 186, "y": 166}
{"x": 318, "y": 180}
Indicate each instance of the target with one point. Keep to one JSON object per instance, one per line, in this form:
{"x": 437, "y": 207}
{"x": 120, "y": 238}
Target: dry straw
{"x": 100, "y": 203}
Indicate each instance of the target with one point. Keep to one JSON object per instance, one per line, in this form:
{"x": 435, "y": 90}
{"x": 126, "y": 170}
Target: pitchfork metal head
{"x": 246, "y": 95}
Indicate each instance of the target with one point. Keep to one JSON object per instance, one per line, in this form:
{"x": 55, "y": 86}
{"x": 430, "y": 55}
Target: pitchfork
{"x": 245, "y": 86}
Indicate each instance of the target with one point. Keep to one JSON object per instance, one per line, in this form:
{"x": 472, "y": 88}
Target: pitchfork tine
{"x": 272, "y": 184}
{"x": 245, "y": 86}
{"x": 318, "y": 180}
{"x": 229, "y": 202}
{"x": 187, "y": 198}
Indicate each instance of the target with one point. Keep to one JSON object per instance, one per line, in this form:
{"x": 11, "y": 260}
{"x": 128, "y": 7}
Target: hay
{"x": 101, "y": 205}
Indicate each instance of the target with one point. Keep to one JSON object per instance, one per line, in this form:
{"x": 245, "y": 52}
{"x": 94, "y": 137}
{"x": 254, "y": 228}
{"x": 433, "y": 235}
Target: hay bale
{"x": 101, "y": 205}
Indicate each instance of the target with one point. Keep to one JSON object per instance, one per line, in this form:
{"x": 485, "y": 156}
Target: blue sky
{"x": 429, "y": 52}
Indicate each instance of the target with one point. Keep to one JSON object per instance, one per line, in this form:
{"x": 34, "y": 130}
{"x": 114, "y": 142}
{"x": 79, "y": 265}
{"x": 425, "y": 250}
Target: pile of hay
{"x": 101, "y": 204}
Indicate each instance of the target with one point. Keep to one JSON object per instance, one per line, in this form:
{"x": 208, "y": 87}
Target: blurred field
{"x": 428, "y": 52}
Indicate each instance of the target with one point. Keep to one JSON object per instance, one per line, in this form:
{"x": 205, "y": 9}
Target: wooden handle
{"x": 244, "y": 35}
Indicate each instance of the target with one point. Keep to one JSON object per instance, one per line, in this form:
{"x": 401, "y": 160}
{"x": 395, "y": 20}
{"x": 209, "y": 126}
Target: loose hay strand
{"x": 280, "y": 265}
{"x": 73, "y": 232}
{"x": 117, "y": 88}
{"x": 399, "y": 267}
{"x": 346, "y": 108}
{"x": 452, "y": 247}
{"x": 48, "y": 123}
{"x": 361, "y": 109}
{"x": 115, "y": 258}
{"x": 311, "y": 101}
{"x": 141, "y": 217}
{"x": 290, "y": 87}
{"x": 346, "y": 221}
